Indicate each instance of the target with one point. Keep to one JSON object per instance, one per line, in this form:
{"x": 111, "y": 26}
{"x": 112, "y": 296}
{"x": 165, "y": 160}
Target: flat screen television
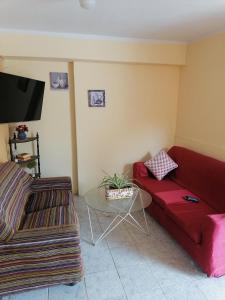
{"x": 20, "y": 98}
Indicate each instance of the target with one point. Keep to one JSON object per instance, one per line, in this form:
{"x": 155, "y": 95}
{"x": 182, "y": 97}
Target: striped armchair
{"x": 39, "y": 231}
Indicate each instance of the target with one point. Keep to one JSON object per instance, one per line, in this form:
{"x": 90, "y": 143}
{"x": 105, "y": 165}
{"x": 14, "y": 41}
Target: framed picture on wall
{"x": 96, "y": 98}
{"x": 59, "y": 81}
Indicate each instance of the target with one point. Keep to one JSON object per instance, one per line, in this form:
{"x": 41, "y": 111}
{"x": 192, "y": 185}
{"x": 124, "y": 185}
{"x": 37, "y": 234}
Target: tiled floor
{"x": 132, "y": 266}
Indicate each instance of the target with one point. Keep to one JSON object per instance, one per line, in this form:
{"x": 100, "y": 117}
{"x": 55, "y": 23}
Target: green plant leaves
{"x": 31, "y": 164}
{"x": 116, "y": 181}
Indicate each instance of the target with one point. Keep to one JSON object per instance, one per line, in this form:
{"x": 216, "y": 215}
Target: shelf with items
{"x": 21, "y": 161}
{"x": 18, "y": 141}
{"x": 31, "y": 158}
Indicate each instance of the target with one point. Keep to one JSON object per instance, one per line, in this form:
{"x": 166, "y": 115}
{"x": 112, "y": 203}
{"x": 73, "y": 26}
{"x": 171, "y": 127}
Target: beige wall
{"x": 55, "y": 125}
{"x": 4, "y": 134}
{"x": 53, "y": 47}
{"x": 201, "y": 110}
{"x": 141, "y": 101}
{"x": 138, "y": 120}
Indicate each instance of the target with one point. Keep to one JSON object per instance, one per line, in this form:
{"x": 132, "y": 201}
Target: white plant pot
{"x": 116, "y": 194}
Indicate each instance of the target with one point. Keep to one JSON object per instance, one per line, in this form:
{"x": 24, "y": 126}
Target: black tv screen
{"x": 20, "y": 98}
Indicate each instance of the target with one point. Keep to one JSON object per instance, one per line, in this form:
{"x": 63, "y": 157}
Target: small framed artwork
{"x": 59, "y": 81}
{"x": 96, "y": 98}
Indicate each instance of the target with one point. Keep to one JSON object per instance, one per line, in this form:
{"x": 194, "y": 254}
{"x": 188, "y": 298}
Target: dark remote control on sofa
{"x": 191, "y": 198}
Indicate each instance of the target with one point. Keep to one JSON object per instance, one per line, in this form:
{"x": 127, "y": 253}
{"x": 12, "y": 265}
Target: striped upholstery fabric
{"x": 59, "y": 215}
{"x": 6, "y": 231}
{"x": 46, "y": 199}
{"x": 14, "y": 192}
{"x": 56, "y": 183}
{"x": 41, "y": 229}
{"x": 40, "y": 258}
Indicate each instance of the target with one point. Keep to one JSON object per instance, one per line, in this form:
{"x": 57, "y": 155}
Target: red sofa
{"x": 198, "y": 227}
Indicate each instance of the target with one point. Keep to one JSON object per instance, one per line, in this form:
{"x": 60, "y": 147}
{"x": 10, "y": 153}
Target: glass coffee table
{"x": 123, "y": 209}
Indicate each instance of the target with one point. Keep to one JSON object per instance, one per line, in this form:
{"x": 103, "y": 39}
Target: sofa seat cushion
{"x": 153, "y": 186}
{"x": 166, "y": 198}
{"x": 187, "y": 215}
{"x": 55, "y": 216}
{"x": 46, "y": 199}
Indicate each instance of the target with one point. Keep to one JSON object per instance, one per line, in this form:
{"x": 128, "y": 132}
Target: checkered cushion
{"x": 160, "y": 165}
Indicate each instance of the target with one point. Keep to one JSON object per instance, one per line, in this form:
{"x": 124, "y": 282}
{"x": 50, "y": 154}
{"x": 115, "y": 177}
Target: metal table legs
{"x": 119, "y": 218}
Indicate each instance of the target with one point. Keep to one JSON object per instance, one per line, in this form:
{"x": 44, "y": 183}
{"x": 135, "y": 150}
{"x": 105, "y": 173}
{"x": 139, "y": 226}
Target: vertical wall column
{"x": 73, "y": 126}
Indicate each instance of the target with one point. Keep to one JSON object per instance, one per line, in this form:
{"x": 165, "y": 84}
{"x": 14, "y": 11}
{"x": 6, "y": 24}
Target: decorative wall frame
{"x": 59, "y": 81}
{"x": 96, "y": 98}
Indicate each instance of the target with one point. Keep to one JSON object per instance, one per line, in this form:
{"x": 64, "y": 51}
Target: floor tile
{"x": 153, "y": 251}
{"x": 104, "y": 286}
{"x": 85, "y": 230}
{"x": 118, "y": 237}
{"x": 137, "y": 236}
{"x": 126, "y": 255}
{"x": 105, "y": 218}
{"x": 98, "y": 260}
{"x": 38, "y": 294}
{"x": 84, "y": 220}
{"x": 188, "y": 292}
{"x": 156, "y": 294}
{"x": 80, "y": 203}
{"x": 87, "y": 247}
{"x": 175, "y": 273}
{"x": 85, "y": 234}
{"x": 114, "y": 298}
{"x": 63, "y": 292}
{"x": 137, "y": 279}
{"x": 212, "y": 288}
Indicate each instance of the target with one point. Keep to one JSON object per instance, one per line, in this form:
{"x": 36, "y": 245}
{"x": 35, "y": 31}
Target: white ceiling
{"x": 173, "y": 20}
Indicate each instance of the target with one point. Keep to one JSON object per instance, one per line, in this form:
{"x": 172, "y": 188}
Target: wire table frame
{"x": 122, "y": 209}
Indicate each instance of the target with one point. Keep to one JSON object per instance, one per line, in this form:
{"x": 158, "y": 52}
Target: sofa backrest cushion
{"x": 201, "y": 174}
{"x": 14, "y": 193}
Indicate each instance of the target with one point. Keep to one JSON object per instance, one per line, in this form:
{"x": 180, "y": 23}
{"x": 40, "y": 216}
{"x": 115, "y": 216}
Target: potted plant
{"x": 117, "y": 187}
{"x": 31, "y": 164}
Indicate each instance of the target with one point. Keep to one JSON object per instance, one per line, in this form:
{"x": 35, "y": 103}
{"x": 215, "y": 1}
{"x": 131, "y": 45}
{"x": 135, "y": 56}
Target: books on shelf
{"x": 24, "y": 156}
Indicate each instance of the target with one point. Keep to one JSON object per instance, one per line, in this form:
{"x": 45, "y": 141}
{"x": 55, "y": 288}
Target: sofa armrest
{"x": 51, "y": 183}
{"x": 213, "y": 230}
{"x": 139, "y": 170}
{"x": 213, "y": 242}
